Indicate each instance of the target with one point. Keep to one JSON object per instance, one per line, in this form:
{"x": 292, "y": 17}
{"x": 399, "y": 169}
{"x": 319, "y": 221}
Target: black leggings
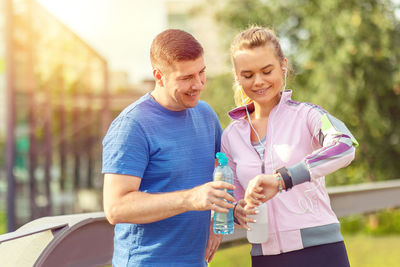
{"x": 328, "y": 255}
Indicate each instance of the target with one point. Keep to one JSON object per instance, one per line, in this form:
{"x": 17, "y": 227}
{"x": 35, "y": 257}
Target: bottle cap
{"x": 222, "y": 159}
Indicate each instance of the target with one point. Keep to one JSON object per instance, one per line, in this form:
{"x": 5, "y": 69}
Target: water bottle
{"x": 223, "y": 222}
{"x": 258, "y": 232}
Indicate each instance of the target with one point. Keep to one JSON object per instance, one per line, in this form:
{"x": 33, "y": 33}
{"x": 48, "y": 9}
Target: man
{"x": 158, "y": 160}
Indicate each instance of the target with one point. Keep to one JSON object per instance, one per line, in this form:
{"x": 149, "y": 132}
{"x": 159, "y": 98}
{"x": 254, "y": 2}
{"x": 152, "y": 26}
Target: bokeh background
{"x": 67, "y": 68}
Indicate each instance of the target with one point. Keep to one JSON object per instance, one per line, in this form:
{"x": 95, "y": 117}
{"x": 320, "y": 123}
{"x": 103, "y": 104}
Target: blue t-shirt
{"x": 170, "y": 151}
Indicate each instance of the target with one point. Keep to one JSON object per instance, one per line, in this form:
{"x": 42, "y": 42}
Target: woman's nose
{"x": 258, "y": 80}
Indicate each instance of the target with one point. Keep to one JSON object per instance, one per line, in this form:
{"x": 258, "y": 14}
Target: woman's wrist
{"x": 235, "y": 220}
{"x": 286, "y": 179}
{"x": 280, "y": 182}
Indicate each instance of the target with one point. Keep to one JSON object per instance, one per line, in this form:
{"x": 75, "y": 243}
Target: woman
{"x": 280, "y": 151}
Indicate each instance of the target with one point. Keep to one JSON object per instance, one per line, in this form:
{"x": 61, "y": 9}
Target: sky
{"x": 120, "y": 30}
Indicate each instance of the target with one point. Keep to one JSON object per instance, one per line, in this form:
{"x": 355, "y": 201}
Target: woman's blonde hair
{"x": 253, "y": 37}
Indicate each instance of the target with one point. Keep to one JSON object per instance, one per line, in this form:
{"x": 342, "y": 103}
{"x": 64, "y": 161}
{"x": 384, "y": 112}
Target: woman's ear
{"x": 285, "y": 66}
{"x": 236, "y": 79}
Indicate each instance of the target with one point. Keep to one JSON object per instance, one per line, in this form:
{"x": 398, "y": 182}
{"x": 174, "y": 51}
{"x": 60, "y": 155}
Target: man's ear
{"x": 157, "y": 74}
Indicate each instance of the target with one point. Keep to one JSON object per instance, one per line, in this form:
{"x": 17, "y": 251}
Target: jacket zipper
{"x": 274, "y": 211}
{"x": 271, "y": 204}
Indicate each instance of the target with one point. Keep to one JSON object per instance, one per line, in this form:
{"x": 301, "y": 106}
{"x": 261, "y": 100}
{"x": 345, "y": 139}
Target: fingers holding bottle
{"x": 223, "y": 196}
{"x": 211, "y": 196}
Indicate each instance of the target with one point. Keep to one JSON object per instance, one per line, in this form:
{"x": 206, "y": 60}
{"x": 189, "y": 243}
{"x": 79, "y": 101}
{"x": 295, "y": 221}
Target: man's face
{"x": 183, "y": 84}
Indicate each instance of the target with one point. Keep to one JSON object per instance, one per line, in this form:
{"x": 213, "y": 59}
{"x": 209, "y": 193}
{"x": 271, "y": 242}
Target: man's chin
{"x": 192, "y": 104}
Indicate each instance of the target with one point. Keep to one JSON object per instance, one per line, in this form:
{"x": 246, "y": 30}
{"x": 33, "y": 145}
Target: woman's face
{"x": 260, "y": 73}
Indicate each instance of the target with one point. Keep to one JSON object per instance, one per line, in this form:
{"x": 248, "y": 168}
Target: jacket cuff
{"x": 299, "y": 173}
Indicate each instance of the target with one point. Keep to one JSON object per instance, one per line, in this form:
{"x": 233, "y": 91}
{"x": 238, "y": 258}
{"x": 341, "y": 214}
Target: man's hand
{"x": 209, "y": 196}
{"x": 213, "y": 243}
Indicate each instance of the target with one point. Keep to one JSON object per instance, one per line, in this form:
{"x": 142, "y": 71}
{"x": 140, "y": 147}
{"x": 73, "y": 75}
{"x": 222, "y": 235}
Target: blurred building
{"x": 65, "y": 98}
{"x": 197, "y": 17}
{"x": 123, "y": 93}
{"x": 119, "y": 81}
{"x": 2, "y": 73}
{"x": 60, "y": 85}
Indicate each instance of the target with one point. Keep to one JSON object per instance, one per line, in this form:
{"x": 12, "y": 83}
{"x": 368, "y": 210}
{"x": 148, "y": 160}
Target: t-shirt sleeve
{"x": 125, "y": 148}
{"x": 218, "y": 133}
{"x": 226, "y": 148}
{"x": 212, "y": 117}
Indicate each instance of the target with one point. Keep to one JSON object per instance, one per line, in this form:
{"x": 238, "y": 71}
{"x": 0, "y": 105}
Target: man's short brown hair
{"x": 172, "y": 46}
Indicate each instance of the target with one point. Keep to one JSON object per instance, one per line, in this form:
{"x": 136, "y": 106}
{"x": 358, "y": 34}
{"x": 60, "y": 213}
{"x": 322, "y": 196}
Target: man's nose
{"x": 198, "y": 83}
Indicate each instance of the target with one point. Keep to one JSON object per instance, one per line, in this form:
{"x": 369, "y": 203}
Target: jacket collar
{"x": 240, "y": 112}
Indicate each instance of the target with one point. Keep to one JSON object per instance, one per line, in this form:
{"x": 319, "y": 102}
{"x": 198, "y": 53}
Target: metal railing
{"x": 353, "y": 199}
{"x": 87, "y": 239}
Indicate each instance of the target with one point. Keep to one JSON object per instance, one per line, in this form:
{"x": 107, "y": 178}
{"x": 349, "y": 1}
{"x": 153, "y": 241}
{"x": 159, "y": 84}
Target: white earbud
{"x": 284, "y": 69}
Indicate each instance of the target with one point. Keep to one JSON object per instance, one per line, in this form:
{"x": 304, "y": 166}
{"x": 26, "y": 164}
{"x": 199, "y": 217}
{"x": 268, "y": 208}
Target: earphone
{"x": 285, "y": 73}
{"x": 244, "y": 99}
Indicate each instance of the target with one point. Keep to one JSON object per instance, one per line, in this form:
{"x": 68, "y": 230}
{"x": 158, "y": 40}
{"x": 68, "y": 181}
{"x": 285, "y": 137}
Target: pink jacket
{"x": 310, "y": 143}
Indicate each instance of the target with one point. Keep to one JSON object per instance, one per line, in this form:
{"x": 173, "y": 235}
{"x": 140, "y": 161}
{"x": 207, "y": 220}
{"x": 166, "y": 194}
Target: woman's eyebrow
{"x": 269, "y": 65}
{"x": 249, "y": 71}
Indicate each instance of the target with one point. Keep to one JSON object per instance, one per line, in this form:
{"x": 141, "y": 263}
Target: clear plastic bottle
{"x": 223, "y": 222}
{"x": 259, "y": 230}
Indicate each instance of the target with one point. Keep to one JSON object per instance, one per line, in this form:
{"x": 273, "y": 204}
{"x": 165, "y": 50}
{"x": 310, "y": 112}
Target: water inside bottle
{"x": 259, "y": 229}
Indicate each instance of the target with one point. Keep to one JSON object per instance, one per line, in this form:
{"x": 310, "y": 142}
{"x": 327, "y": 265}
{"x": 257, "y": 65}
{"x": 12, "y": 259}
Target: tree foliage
{"x": 345, "y": 57}
{"x": 219, "y": 94}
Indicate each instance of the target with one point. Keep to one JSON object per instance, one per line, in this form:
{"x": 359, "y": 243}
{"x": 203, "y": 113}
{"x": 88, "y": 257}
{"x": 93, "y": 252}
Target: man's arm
{"x": 123, "y": 203}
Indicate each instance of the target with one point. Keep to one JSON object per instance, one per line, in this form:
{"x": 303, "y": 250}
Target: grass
{"x": 373, "y": 251}
{"x": 3, "y": 223}
{"x": 237, "y": 256}
{"x": 364, "y": 251}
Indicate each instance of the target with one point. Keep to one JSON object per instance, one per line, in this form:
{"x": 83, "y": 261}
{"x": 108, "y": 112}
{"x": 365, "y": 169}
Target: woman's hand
{"x": 260, "y": 189}
{"x": 241, "y": 214}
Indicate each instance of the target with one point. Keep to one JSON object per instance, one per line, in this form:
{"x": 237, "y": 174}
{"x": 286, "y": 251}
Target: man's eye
{"x": 248, "y": 76}
{"x": 267, "y": 72}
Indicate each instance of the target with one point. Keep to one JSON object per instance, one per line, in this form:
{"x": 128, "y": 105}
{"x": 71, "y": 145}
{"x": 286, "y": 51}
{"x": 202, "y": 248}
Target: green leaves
{"x": 345, "y": 55}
